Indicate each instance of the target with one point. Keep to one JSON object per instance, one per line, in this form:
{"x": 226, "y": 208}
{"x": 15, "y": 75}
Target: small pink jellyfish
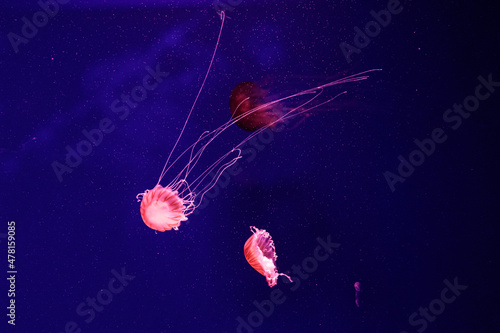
{"x": 357, "y": 287}
{"x": 261, "y": 255}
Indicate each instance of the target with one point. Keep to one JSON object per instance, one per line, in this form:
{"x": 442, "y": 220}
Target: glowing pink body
{"x": 261, "y": 255}
{"x": 357, "y": 288}
{"x": 162, "y": 209}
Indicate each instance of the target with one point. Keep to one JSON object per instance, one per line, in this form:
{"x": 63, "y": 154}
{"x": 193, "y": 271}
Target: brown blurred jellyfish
{"x": 248, "y": 96}
{"x": 261, "y": 255}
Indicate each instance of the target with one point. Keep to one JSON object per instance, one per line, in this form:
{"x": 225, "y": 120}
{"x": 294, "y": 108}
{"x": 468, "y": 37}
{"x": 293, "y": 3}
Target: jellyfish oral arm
{"x": 270, "y": 272}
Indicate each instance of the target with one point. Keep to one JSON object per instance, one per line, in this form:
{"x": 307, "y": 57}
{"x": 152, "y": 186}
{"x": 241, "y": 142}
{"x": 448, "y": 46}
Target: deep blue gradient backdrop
{"x": 323, "y": 178}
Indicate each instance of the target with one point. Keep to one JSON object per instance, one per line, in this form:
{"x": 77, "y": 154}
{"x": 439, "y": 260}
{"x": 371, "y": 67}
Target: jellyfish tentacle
{"x": 222, "y": 16}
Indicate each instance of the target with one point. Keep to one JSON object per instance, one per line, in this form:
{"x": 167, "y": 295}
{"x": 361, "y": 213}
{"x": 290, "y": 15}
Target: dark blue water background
{"x": 323, "y": 178}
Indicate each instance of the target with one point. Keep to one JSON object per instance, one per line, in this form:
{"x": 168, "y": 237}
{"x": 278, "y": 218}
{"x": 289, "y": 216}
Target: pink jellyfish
{"x": 164, "y": 208}
{"x": 261, "y": 255}
{"x": 357, "y": 288}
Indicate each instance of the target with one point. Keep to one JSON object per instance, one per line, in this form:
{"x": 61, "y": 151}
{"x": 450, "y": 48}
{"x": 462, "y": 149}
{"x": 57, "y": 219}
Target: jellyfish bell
{"x": 261, "y": 255}
{"x": 162, "y": 209}
{"x": 248, "y": 107}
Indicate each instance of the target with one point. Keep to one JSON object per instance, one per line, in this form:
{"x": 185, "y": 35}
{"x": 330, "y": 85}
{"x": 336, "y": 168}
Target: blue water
{"x": 422, "y": 241}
